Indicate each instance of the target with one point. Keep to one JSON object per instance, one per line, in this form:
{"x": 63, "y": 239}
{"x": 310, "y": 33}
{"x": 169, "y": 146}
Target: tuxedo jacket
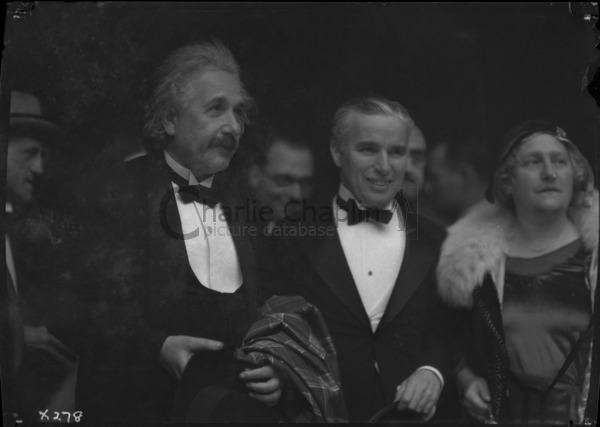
{"x": 142, "y": 278}
{"x": 411, "y": 332}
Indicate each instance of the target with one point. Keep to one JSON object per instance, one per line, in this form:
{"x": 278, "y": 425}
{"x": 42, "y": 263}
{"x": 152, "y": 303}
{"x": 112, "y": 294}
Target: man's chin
{"x": 217, "y": 165}
{"x": 380, "y": 202}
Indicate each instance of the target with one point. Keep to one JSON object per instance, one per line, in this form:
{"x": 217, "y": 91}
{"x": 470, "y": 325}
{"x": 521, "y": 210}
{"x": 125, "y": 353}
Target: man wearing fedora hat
{"x": 42, "y": 369}
{"x": 29, "y": 133}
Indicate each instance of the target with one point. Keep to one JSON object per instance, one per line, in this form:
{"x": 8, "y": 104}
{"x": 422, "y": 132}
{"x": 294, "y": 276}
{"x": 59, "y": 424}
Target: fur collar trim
{"x": 476, "y": 245}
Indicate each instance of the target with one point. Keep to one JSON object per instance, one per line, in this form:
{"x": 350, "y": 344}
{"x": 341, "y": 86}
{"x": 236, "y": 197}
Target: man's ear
{"x": 254, "y": 176}
{"x": 334, "y": 147}
{"x": 169, "y": 121}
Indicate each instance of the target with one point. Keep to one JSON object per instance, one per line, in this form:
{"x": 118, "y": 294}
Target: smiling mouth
{"x": 380, "y": 182}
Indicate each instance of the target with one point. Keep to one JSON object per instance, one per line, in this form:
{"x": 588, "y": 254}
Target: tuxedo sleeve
{"x": 441, "y": 321}
{"x": 120, "y": 312}
{"x": 114, "y": 272}
{"x": 438, "y": 336}
{"x": 440, "y": 351}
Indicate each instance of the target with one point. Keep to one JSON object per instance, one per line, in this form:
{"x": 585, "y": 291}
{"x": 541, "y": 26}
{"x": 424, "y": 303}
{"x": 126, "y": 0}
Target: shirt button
{"x": 376, "y": 366}
{"x": 370, "y": 273}
{"x": 209, "y": 230}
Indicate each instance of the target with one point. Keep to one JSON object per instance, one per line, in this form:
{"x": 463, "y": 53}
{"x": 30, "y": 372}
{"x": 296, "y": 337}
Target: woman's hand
{"x": 476, "y": 399}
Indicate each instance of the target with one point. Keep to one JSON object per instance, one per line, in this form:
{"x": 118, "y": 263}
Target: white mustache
{"x": 226, "y": 141}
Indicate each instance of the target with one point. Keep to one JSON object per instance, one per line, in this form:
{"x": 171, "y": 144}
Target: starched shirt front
{"x": 211, "y": 253}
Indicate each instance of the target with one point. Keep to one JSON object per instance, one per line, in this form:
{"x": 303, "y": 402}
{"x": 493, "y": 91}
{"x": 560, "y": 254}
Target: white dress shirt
{"x": 211, "y": 254}
{"x": 374, "y": 252}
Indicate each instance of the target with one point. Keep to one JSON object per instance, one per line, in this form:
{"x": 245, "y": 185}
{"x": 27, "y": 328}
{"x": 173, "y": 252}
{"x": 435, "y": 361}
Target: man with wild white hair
{"x": 180, "y": 275}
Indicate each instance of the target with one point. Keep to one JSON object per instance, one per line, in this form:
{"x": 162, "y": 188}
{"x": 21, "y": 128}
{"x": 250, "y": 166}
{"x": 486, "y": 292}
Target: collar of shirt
{"x": 185, "y": 173}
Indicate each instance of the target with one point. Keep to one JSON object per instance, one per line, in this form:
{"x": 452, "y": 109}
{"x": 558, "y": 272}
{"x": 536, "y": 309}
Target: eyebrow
{"x": 218, "y": 98}
{"x": 539, "y": 153}
{"x": 367, "y": 143}
{"x": 223, "y": 98}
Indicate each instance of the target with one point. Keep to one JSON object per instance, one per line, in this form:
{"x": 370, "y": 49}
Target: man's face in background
{"x": 414, "y": 178}
{"x": 285, "y": 177}
{"x": 24, "y": 165}
{"x": 445, "y": 184}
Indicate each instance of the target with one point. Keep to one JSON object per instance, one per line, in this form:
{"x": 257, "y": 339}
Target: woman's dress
{"x": 546, "y": 309}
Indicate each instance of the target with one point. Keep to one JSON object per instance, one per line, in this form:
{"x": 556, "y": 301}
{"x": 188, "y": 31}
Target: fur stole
{"x": 477, "y": 243}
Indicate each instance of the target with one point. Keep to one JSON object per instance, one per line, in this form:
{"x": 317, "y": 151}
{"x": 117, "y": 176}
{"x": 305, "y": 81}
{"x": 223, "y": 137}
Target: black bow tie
{"x": 198, "y": 193}
{"x": 356, "y": 215}
{"x": 195, "y": 193}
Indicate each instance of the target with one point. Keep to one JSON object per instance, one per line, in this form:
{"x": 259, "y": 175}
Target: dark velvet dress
{"x": 546, "y": 309}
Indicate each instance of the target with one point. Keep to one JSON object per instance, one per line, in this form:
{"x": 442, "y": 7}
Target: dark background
{"x": 454, "y": 66}
{"x": 482, "y": 66}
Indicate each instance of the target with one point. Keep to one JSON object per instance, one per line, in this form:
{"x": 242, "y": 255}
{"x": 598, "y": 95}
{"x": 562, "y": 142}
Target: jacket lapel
{"x": 418, "y": 260}
{"x": 166, "y": 238}
{"x": 326, "y": 256}
{"x": 242, "y": 241}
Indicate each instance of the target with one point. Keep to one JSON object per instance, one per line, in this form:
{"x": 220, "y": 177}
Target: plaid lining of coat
{"x": 291, "y": 335}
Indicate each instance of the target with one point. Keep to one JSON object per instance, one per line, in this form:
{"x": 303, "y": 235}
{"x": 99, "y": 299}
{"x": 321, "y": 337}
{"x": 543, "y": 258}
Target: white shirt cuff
{"x": 437, "y": 373}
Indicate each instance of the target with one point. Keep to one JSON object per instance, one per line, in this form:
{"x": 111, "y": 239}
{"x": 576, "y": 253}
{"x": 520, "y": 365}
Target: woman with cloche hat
{"x": 523, "y": 266}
